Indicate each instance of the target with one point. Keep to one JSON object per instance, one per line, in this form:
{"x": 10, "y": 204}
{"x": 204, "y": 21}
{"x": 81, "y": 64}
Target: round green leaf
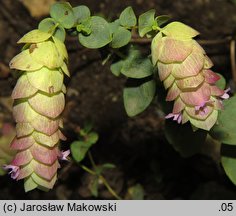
{"x": 49, "y": 25}
{"x": 229, "y": 165}
{"x": 60, "y": 33}
{"x": 82, "y": 13}
{"x": 138, "y": 68}
{"x": 128, "y": 18}
{"x": 100, "y": 34}
{"x": 116, "y": 67}
{"x": 79, "y": 150}
{"x": 146, "y": 22}
{"x": 161, "y": 20}
{"x": 63, "y": 13}
{"x": 114, "y": 25}
{"x": 138, "y": 94}
{"x": 187, "y": 145}
{"x": 225, "y": 129}
{"x": 228, "y": 160}
{"x": 121, "y": 37}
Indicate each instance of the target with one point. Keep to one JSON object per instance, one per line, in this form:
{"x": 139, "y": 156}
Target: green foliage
{"x": 99, "y": 170}
{"x": 116, "y": 68}
{"x": 100, "y": 33}
{"x": 228, "y": 160}
{"x": 183, "y": 139}
{"x": 138, "y": 94}
{"x": 221, "y": 83}
{"x": 134, "y": 66}
{"x": 128, "y": 18}
{"x": 81, "y": 13}
{"x": 146, "y": 22}
{"x": 63, "y": 13}
{"x": 49, "y": 25}
{"x": 224, "y": 130}
{"x": 79, "y": 149}
{"x": 93, "y": 186}
{"x": 136, "y": 192}
{"x": 161, "y": 20}
{"x": 121, "y": 37}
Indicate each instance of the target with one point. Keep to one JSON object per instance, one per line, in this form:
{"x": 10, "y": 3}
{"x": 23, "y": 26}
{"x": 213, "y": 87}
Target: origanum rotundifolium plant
{"x": 197, "y": 103}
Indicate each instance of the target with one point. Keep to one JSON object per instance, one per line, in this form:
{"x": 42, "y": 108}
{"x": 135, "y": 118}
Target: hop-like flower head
{"x": 39, "y": 102}
{"x": 185, "y": 71}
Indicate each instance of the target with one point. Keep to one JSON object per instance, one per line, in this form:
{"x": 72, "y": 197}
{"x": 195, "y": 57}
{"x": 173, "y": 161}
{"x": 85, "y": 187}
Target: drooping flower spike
{"x": 184, "y": 68}
{"x": 38, "y": 104}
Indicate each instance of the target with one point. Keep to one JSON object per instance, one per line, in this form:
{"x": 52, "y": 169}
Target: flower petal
{"x": 35, "y": 36}
{"x": 49, "y": 141}
{"x": 22, "y": 158}
{"x": 44, "y": 154}
{"x": 50, "y": 106}
{"x": 210, "y": 76}
{"x": 175, "y": 50}
{"x": 190, "y": 67}
{"x": 179, "y": 105}
{"x": 44, "y": 183}
{"x": 206, "y": 124}
{"x": 46, "y": 54}
{"x": 202, "y": 114}
{"x": 156, "y": 47}
{"x": 46, "y": 80}
{"x": 22, "y": 143}
{"x": 198, "y": 97}
{"x": 45, "y": 171}
{"x": 23, "y": 129}
{"x": 23, "y": 88}
{"x": 173, "y": 93}
{"x": 168, "y": 81}
{"x": 24, "y": 62}
{"x": 190, "y": 83}
{"x": 164, "y": 70}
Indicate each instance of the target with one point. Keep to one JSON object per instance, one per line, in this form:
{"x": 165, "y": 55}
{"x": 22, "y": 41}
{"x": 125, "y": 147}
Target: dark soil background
{"x": 136, "y": 146}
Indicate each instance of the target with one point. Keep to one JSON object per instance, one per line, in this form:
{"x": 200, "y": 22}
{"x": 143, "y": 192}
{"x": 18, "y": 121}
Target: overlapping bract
{"x": 185, "y": 71}
{"x": 39, "y": 102}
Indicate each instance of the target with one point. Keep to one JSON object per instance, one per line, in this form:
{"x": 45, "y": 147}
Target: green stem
{"x": 91, "y": 160}
{"x": 101, "y": 177}
{"x": 109, "y": 188}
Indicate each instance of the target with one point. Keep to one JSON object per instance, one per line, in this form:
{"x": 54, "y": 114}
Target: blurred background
{"x": 147, "y": 167}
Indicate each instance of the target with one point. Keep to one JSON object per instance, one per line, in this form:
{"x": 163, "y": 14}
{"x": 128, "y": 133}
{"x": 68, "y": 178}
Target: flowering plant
{"x": 198, "y": 100}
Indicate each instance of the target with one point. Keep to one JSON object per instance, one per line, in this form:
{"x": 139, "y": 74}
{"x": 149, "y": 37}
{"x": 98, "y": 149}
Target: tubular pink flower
{"x": 225, "y": 95}
{"x": 38, "y": 103}
{"x": 176, "y": 117}
{"x": 64, "y": 155}
{"x": 13, "y": 170}
{"x": 184, "y": 68}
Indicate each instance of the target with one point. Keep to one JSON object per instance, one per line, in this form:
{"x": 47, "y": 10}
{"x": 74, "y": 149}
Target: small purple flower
{"x": 226, "y": 95}
{"x": 176, "y": 117}
{"x": 13, "y": 170}
{"x": 64, "y": 154}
